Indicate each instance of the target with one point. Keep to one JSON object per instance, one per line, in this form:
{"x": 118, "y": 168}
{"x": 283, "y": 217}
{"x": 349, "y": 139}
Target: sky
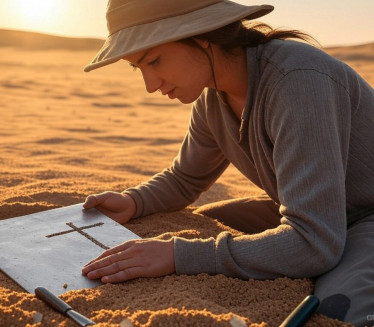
{"x": 331, "y": 22}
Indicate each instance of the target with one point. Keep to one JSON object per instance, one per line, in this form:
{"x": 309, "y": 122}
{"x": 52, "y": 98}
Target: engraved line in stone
{"x": 73, "y": 230}
{"x": 79, "y": 230}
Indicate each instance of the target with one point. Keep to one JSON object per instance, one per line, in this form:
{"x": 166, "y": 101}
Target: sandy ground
{"x": 66, "y": 134}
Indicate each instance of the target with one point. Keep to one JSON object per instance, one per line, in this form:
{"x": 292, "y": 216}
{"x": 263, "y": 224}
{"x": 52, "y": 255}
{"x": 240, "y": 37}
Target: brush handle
{"x": 52, "y": 300}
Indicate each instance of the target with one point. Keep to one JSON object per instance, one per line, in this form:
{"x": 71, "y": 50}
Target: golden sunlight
{"x": 36, "y": 13}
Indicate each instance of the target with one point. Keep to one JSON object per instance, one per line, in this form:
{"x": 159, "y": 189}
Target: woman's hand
{"x": 120, "y": 207}
{"x": 133, "y": 259}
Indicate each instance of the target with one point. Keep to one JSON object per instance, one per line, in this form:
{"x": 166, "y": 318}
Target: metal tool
{"x": 302, "y": 312}
{"x": 61, "y": 306}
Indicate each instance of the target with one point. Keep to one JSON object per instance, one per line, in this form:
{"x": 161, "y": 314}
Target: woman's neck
{"x": 232, "y": 78}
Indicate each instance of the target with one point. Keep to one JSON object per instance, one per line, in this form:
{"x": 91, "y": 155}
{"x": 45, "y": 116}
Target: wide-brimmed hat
{"x": 137, "y": 25}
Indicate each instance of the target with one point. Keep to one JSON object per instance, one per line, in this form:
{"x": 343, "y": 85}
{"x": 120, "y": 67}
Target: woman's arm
{"x": 308, "y": 117}
{"x": 198, "y": 164}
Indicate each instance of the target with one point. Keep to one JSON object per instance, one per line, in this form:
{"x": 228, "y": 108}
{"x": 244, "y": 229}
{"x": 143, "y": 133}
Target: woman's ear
{"x": 203, "y": 43}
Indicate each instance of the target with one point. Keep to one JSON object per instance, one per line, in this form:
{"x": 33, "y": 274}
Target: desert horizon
{"x": 67, "y": 134}
{"x": 30, "y": 40}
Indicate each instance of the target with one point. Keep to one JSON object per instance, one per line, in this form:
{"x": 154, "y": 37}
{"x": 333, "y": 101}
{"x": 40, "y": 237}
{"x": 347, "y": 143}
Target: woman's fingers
{"x": 114, "y": 250}
{"x": 111, "y": 268}
{"x": 123, "y": 275}
{"x": 108, "y": 268}
{"x": 138, "y": 258}
{"x": 95, "y": 200}
{"x": 118, "y": 206}
{"x": 90, "y": 202}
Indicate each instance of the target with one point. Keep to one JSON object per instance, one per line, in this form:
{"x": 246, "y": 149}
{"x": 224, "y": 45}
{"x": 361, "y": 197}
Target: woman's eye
{"x": 154, "y": 62}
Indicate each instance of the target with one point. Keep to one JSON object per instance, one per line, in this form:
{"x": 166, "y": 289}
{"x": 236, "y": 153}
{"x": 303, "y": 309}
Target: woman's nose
{"x": 152, "y": 82}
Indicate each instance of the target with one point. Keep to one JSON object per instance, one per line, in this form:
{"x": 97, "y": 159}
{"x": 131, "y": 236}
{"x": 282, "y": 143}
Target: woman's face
{"x": 176, "y": 69}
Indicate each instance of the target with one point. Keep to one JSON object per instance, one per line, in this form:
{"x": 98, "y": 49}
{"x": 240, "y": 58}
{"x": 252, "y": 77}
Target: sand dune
{"x": 359, "y": 57}
{"x": 38, "y": 41}
{"x": 66, "y": 134}
{"x": 363, "y": 52}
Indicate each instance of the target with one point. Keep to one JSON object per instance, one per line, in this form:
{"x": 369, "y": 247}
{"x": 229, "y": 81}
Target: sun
{"x": 36, "y": 13}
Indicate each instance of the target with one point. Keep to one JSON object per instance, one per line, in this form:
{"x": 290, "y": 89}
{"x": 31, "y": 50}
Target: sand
{"x": 66, "y": 134}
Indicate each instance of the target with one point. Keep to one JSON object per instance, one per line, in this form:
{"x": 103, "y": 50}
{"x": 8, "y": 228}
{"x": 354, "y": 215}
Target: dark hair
{"x": 246, "y": 34}
{"x": 243, "y": 34}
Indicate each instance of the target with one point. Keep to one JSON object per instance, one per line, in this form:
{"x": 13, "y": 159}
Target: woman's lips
{"x": 171, "y": 94}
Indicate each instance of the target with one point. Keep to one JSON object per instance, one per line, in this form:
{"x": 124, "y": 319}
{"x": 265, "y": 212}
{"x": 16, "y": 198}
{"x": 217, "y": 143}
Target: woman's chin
{"x": 187, "y": 99}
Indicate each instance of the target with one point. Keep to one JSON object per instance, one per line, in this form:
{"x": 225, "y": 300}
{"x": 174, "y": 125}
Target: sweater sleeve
{"x": 198, "y": 164}
{"x": 308, "y": 122}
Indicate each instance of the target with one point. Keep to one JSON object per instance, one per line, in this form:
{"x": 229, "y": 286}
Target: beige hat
{"x": 137, "y": 25}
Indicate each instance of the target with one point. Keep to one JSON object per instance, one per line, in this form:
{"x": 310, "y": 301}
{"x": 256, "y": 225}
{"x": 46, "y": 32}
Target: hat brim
{"x": 138, "y": 38}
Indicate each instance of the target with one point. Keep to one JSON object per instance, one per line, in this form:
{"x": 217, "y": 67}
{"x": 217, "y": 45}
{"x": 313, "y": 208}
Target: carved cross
{"x": 80, "y": 231}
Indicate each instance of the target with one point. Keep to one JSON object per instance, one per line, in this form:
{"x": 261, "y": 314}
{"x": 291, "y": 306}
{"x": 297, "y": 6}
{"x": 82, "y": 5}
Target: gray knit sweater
{"x": 306, "y": 137}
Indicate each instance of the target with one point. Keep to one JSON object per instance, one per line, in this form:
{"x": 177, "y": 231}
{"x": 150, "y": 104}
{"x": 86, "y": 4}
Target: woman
{"x": 295, "y": 121}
